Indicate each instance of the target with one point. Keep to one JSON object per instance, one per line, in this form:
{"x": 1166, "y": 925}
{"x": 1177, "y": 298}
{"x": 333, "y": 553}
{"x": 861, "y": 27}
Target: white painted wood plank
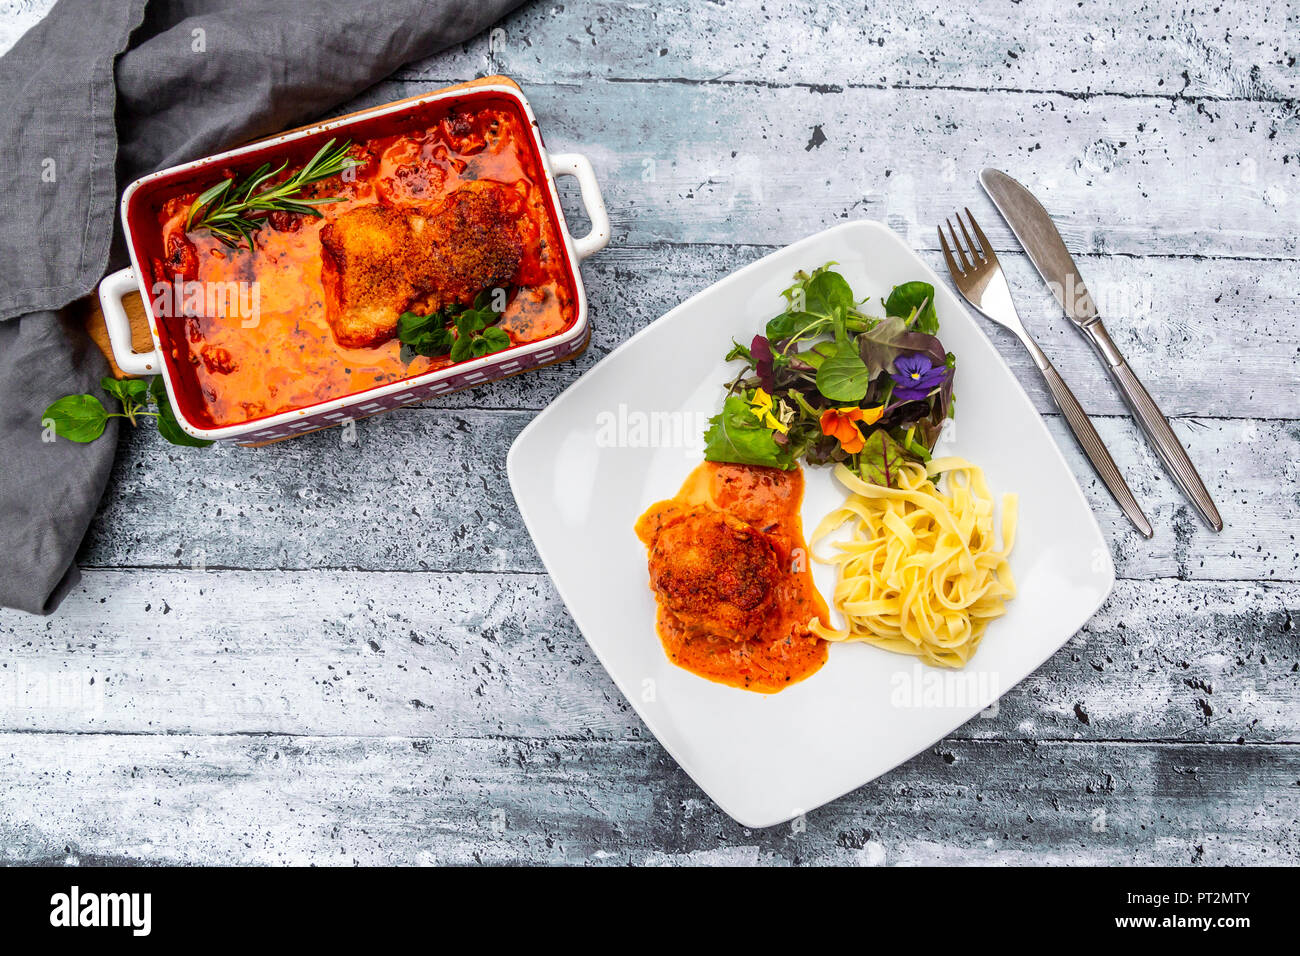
{"x": 1232, "y": 50}
{"x": 425, "y": 489}
{"x": 1163, "y": 134}
{"x": 482, "y": 655}
{"x": 723, "y": 163}
{"x": 1208, "y": 337}
{"x": 98, "y": 799}
{"x": 19, "y": 16}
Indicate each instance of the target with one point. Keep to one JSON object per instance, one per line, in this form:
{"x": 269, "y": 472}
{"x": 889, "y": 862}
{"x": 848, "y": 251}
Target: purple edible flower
{"x": 915, "y": 377}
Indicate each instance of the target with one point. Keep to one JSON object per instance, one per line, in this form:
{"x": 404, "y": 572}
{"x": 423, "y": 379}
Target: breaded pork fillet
{"x": 378, "y": 260}
{"x": 715, "y": 573}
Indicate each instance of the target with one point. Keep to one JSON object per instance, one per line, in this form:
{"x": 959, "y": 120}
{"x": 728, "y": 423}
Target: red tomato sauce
{"x": 782, "y": 650}
{"x": 235, "y": 369}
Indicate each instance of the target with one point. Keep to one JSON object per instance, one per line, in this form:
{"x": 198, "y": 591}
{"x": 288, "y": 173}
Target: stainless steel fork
{"x": 980, "y": 280}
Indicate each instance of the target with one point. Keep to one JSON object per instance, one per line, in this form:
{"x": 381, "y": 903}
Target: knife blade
{"x": 1036, "y": 232}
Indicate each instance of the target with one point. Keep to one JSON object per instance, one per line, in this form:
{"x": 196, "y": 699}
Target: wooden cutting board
{"x": 93, "y": 317}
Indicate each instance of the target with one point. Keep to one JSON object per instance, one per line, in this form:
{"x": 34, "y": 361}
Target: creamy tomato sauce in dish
{"x": 730, "y": 569}
{"x": 272, "y": 348}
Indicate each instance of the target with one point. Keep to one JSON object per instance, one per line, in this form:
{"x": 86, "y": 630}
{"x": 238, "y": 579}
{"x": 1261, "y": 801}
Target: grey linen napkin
{"x": 95, "y": 95}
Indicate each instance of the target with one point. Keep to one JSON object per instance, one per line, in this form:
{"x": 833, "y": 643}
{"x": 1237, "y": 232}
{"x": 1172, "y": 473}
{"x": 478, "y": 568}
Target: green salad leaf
{"x": 735, "y": 435}
{"x": 881, "y": 458}
{"x": 789, "y": 324}
{"x": 910, "y": 296}
{"x": 843, "y": 376}
{"x": 827, "y": 292}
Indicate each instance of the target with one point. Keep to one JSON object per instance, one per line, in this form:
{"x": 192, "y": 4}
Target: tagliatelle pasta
{"x": 921, "y": 572}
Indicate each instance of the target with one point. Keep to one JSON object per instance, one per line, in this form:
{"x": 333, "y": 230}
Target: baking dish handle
{"x": 111, "y": 291}
{"x": 578, "y": 166}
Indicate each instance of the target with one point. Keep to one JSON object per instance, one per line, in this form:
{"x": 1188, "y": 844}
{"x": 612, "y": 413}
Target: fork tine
{"x": 974, "y": 249}
{"x": 965, "y": 264}
{"x": 989, "y": 254}
{"x": 947, "y": 253}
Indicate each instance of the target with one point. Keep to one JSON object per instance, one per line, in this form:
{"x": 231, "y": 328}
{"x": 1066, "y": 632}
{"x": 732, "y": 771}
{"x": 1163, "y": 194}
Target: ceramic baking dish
{"x": 141, "y": 228}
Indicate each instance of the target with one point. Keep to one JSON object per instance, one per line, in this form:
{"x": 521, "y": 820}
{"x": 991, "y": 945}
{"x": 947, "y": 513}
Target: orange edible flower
{"x": 840, "y": 424}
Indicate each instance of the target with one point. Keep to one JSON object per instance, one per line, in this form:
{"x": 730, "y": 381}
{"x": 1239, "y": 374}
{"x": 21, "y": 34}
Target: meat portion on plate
{"x": 378, "y": 261}
{"x": 729, "y": 572}
{"x": 715, "y": 573}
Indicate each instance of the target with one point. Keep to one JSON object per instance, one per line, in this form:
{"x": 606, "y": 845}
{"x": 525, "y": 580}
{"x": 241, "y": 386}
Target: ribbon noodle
{"x": 921, "y": 572}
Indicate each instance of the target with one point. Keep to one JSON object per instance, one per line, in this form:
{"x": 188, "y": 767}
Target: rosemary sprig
{"x": 233, "y": 211}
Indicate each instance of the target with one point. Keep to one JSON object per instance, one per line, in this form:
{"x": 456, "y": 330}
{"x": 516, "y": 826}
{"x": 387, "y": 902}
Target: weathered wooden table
{"x": 336, "y": 652}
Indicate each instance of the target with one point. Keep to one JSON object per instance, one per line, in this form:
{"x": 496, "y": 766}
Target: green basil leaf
{"x": 125, "y": 389}
{"x": 434, "y": 343}
{"x": 906, "y": 298}
{"x": 79, "y": 418}
{"x": 170, "y": 429}
{"x": 470, "y": 343}
{"x": 426, "y": 335}
{"x": 469, "y": 322}
{"x": 497, "y": 340}
{"x": 735, "y": 435}
{"x": 411, "y": 324}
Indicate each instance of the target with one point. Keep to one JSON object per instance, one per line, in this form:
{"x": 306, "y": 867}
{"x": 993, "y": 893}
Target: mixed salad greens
{"x": 827, "y": 382}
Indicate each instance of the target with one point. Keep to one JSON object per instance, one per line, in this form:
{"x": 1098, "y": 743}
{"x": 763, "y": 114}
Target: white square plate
{"x": 626, "y": 434}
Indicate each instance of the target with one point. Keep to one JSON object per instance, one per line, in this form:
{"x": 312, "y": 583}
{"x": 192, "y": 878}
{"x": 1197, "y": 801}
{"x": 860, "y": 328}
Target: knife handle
{"x": 1156, "y": 426}
{"x": 1093, "y": 447}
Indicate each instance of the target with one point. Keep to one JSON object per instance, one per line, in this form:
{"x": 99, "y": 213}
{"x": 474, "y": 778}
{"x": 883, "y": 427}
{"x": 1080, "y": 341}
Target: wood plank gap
{"x": 1080, "y": 95}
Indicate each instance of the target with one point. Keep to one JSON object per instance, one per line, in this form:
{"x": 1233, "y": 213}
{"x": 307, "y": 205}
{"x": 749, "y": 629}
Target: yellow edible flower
{"x": 761, "y": 406}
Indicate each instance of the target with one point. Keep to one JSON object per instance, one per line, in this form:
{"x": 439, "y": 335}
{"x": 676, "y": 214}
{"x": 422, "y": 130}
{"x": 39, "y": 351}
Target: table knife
{"x": 1041, "y": 240}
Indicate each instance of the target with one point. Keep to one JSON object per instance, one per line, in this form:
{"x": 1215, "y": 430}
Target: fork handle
{"x": 1091, "y": 443}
